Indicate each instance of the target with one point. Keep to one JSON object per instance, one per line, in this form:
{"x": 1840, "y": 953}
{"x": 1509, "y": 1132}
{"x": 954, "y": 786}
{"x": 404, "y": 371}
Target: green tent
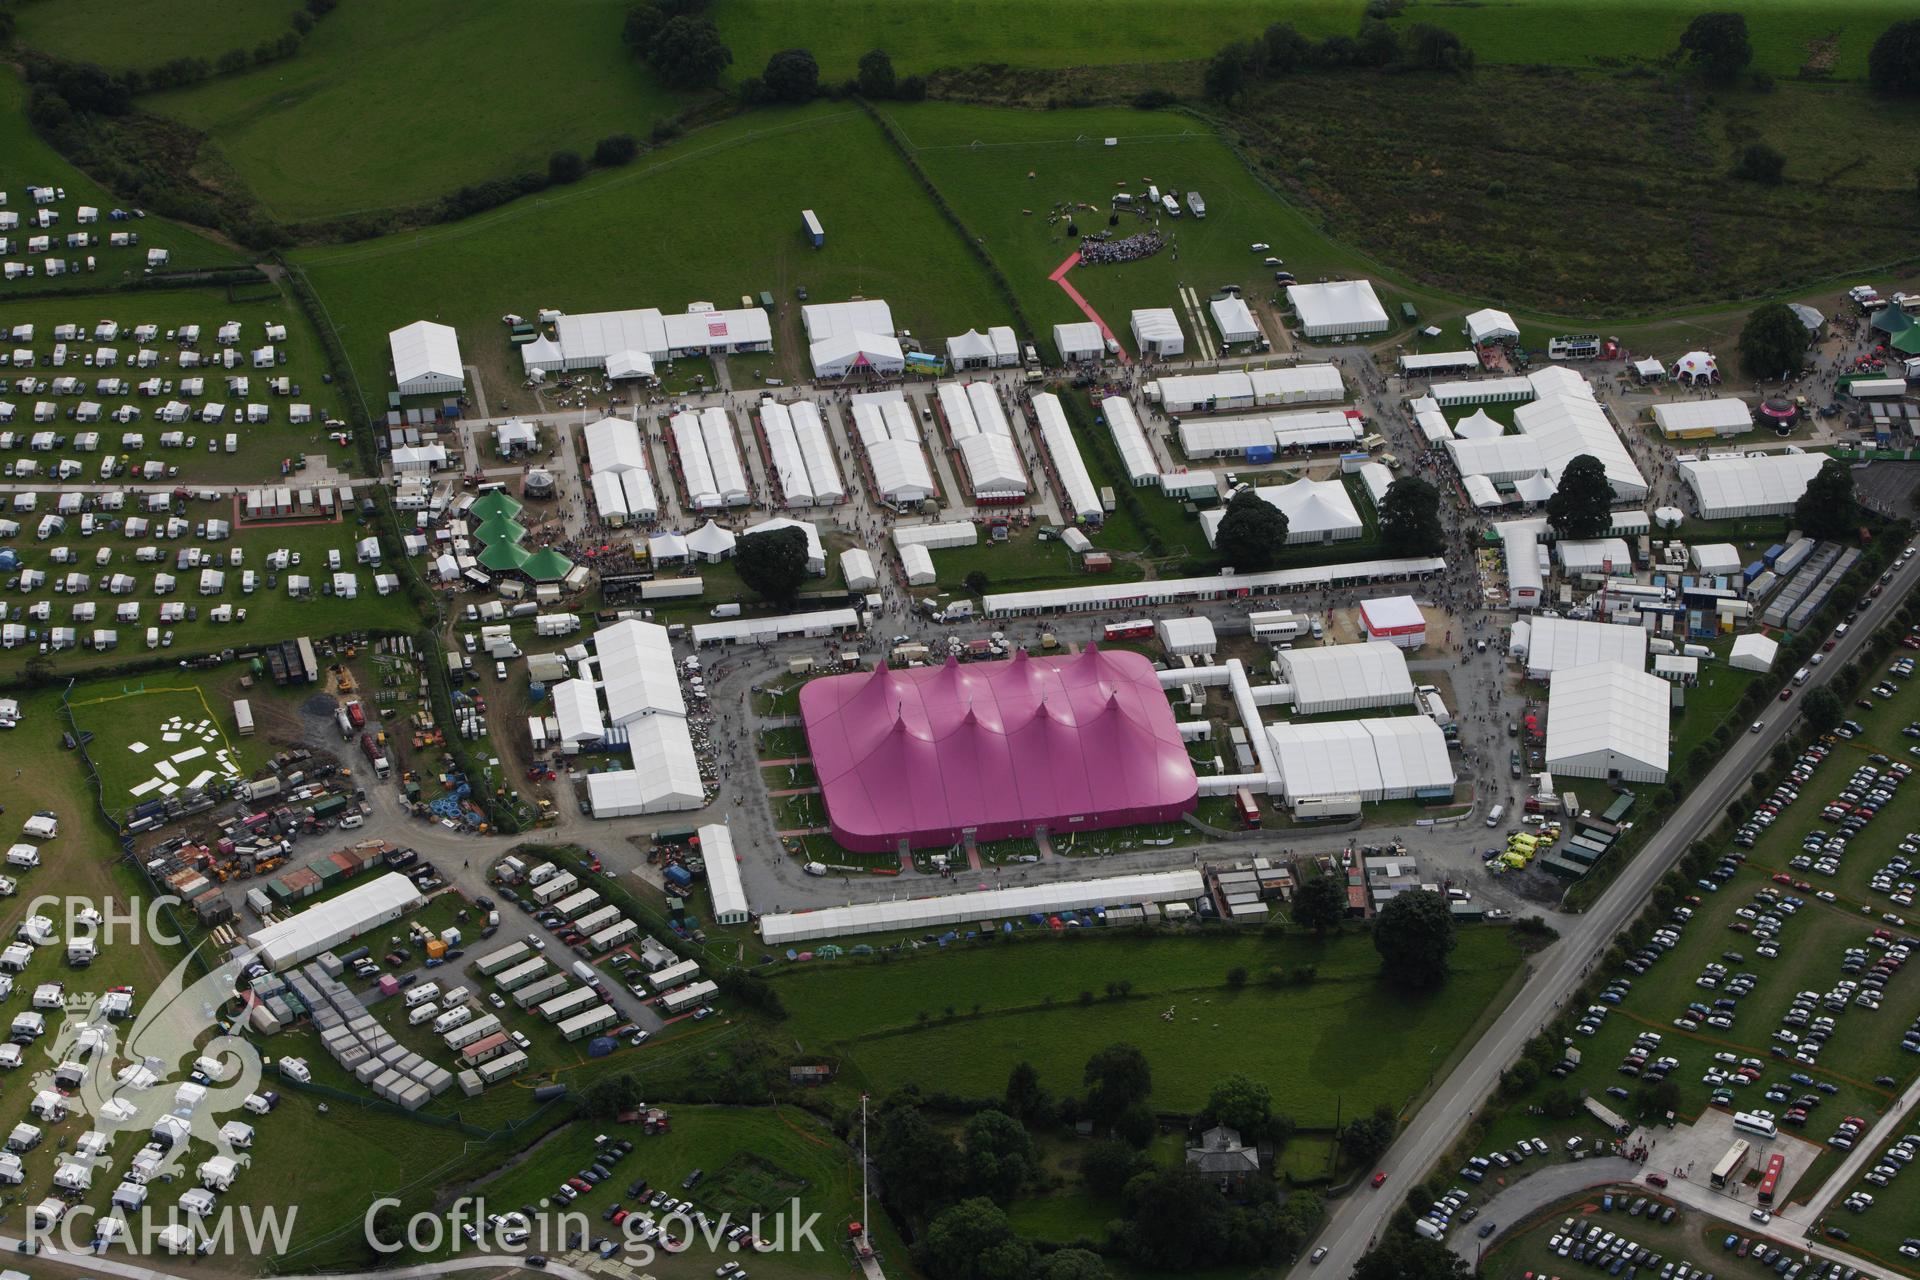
{"x": 488, "y": 505}
{"x": 1907, "y": 341}
{"x": 1892, "y": 320}
{"x": 500, "y": 556}
{"x": 545, "y": 565}
{"x": 499, "y": 529}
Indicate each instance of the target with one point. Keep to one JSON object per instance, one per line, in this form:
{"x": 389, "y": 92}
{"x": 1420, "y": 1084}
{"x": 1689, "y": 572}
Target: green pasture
{"x": 119, "y": 714}
{"x": 1587, "y": 33}
{"x": 30, "y": 160}
{"x": 262, "y": 445}
{"x": 624, "y": 240}
{"x": 271, "y": 613}
{"x": 109, "y": 34}
{"x": 1351, "y": 1036}
{"x": 397, "y": 104}
{"x": 752, "y": 1160}
{"x": 1004, "y": 170}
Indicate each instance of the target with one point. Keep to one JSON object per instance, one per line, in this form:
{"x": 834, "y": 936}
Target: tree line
{"x": 1281, "y": 50}
{"x": 949, "y": 1192}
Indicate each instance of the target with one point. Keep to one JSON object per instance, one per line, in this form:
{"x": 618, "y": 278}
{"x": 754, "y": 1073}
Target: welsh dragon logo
{"x": 133, "y": 1082}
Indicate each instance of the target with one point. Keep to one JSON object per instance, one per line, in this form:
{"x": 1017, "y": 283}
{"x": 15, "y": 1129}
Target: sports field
{"x": 713, "y": 218}
{"x": 957, "y": 1023}
{"x": 395, "y": 104}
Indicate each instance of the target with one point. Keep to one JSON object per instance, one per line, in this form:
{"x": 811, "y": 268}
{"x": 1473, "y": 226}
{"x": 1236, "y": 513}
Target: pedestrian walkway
{"x": 1059, "y": 277}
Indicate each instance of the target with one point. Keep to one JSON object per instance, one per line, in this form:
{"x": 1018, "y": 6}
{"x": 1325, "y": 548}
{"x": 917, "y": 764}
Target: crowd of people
{"x": 1097, "y": 251}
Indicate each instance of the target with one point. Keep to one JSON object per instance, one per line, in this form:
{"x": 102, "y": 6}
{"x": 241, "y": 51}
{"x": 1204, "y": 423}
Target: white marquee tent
{"x": 1347, "y": 677}
{"x": 884, "y": 423}
{"x": 1234, "y": 321}
{"x": 1608, "y": 718}
{"x": 910, "y": 914}
{"x": 1375, "y": 759}
{"x": 426, "y": 359}
{"x": 1740, "y": 486}
{"x": 1079, "y": 341}
{"x": 1753, "y": 652}
{"x": 1554, "y": 645}
{"x": 1686, "y": 419}
{"x": 1156, "y": 332}
{"x": 1488, "y": 325}
{"x": 1136, "y": 455}
{"x": 1337, "y": 308}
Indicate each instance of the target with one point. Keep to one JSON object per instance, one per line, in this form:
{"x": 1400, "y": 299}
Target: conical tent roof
{"x": 1907, "y": 341}
{"x": 499, "y": 529}
{"x": 502, "y": 555}
{"x": 1891, "y": 320}
{"x": 547, "y": 565}
{"x": 492, "y": 504}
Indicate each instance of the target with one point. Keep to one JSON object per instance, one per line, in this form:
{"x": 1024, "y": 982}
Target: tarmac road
{"x": 1555, "y": 972}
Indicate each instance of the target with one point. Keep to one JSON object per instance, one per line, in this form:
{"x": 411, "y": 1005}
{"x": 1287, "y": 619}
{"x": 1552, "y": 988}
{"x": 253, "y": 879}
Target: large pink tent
{"x": 997, "y": 749}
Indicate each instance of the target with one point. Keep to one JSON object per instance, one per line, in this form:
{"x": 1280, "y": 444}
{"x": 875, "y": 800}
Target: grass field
{"x": 753, "y": 1160}
{"x": 1003, "y": 170}
{"x": 30, "y": 160}
{"x": 1024, "y": 1001}
{"x": 1641, "y": 216}
{"x": 883, "y": 240}
{"x": 122, "y": 715}
{"x": 271, "y": 613}
{"x": 262, "y": 445}
{"x": 360, "y": 120}
{"x": 98, "y": 31}
{"x": 949, "y": 33}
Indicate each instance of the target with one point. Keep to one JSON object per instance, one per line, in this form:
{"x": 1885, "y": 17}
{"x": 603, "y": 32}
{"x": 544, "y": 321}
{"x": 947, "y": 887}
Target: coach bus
{"x": 1754, "y": 1122}
{"x": 1775, "y": 1164}
{"x": 1729, "y": 1167}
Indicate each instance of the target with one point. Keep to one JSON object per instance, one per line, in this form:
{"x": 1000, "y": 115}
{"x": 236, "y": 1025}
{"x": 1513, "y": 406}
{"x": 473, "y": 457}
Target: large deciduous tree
{"x": 773, "y": 563}
{"x": 1414, "y": 935}
{"x": 1582, "y": 503}
{"x": 1827, "y": 509}
{"x": 1116, "y": 1077}
{"x": 1893, "y": 65}
{"x": 688, "y": 54}
{"x": 792, "y": 75}
{"x": 1320, "y": 905}
{"x": 1251, "y": 533}
{"x": 1717, "y": 44}
{"x": 876, "y": 74}
{"x": 1410, "y": 518}
{"x": 1408, "y": 1257}
{"x": 1773, "y": 342}
{"x": 1242, "y": 1103}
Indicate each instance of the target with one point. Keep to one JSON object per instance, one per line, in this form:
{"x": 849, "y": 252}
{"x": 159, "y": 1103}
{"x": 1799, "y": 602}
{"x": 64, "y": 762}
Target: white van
{"x": 1800, "y": 676}
{"x": 1496, "y": 813}
{"x": 351, "y": 821}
